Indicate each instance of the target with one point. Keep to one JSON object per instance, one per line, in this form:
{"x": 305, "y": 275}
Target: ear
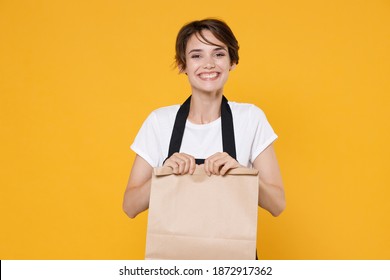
{"x": 232, "y": 67}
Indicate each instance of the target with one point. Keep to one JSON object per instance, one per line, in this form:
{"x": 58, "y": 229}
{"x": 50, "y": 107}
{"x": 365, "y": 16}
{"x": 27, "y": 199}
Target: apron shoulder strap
{"x": 178, "y": 127}
{"x": 228, "y": 141}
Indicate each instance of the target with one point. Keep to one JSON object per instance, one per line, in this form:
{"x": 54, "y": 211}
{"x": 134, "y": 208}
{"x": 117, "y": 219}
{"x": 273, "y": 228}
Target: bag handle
{"x": 166, "y": 170}
{"x": 228, "y": 141}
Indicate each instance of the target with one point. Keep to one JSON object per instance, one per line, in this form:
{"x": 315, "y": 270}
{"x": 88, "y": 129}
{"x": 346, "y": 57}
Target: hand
{"x": 219, "y": 164}
{"x": 181, "y": 163}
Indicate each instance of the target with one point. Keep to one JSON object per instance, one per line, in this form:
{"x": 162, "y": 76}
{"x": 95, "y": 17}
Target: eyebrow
{"x": 200, "y": 50}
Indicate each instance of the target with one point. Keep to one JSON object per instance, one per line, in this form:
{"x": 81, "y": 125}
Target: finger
{"x": 172, "y": 164}
{"x": 228, "y": 165}
{"x": 215, "y": 167}
{"x": 192, "y": 165}
{"x": 182, "y": 165}
{"x": 206, "y": 167}
{"x": 211, "y": 165}
{"x": 175, "y": 161}
{"x": 185, "y": 161}
{"x": 187, "y": 164}
{"x": 219, "y": 162}
{"x": 209, "y": 162}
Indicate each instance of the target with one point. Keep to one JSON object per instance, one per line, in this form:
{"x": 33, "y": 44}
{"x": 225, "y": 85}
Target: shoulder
{"x": 163, "y": 114}
{"x": 167, "y": 110}
{"x": 246, "y": 110}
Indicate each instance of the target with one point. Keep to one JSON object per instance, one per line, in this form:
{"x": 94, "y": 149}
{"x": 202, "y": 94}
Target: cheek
{"x": 224, "y": 64}
{"x": 192, "y": 71}
{"x": 192, "y": 65}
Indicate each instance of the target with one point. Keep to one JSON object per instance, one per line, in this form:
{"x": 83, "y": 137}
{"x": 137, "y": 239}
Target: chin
{"x": 209, "y": 90}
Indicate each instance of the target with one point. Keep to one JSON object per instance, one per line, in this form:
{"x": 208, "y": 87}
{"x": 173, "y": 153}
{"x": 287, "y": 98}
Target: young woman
{"x": 206, "y": 51}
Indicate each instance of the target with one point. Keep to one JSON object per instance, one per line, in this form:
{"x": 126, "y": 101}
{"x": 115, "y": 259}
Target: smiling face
{"x": 207, "y": 65}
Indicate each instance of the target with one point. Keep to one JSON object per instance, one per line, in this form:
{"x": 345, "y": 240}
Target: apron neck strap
{"x": 228, "y": 141}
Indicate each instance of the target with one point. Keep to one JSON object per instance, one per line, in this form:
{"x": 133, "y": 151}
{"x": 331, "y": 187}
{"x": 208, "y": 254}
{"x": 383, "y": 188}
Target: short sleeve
{"x": 264, "y": 134}
{"x": 146, "y": 143}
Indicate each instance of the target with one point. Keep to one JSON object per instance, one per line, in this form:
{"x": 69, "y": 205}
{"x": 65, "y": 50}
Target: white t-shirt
{"x": 252, "y": 134}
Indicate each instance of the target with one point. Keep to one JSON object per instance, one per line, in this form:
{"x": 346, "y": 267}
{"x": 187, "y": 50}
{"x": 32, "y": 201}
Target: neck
{"x": 205, "y": 108}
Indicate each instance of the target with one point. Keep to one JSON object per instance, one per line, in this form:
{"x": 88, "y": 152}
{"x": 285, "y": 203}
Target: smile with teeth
{"x": 208, "y": 76}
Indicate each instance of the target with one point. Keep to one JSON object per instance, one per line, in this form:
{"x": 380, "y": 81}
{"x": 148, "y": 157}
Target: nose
{"x": 209, "y": 63}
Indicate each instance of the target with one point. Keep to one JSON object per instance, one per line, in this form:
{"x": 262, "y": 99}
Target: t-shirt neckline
{"x": 202, "y": 126}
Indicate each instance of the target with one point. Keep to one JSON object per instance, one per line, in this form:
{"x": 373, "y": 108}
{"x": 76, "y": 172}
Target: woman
{"x": 206, "y": 51}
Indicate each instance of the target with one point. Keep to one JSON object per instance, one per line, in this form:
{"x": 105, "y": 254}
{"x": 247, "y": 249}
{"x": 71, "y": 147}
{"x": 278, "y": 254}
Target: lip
{"x": 209, "y": 76}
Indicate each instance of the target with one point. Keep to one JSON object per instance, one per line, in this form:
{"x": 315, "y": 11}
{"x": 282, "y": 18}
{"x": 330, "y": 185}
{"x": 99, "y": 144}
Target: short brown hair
{"x": 217, "y": 27}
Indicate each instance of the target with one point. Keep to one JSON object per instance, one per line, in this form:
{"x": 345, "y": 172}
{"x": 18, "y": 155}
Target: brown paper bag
{"x": 201, "y": 217}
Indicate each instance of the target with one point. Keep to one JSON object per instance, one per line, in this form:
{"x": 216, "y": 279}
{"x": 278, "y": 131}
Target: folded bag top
{"x": 199, "y": 170}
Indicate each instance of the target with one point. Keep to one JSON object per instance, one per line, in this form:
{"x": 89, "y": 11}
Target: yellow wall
{"x": 77, "y": 79}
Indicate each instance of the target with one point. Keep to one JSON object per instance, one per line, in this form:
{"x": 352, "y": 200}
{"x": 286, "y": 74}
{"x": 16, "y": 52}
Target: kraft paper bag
{"x": 201, "y": 217}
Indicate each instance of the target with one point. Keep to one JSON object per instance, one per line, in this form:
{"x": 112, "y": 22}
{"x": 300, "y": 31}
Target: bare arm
{"x": 137, "y": 194}
{"x": 271, "y": 190}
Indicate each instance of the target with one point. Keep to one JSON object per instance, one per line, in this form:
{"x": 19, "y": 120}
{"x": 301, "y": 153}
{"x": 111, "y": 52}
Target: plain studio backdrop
{"x": 78, "y": 78}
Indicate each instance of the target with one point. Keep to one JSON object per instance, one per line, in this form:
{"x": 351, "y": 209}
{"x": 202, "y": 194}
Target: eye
{"x": 195, "y": 56}
{"x": 220, "y": 54}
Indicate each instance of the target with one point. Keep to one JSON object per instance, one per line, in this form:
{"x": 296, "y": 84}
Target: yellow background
{"x": 78, "y": 78}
